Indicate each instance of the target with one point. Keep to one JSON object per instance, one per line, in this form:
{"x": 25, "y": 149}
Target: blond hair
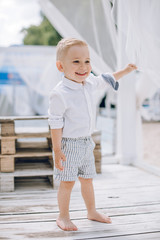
{"x": 64, "y": 44}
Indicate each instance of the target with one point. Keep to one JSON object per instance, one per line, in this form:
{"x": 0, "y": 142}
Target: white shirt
{"x": 71, "y": 105}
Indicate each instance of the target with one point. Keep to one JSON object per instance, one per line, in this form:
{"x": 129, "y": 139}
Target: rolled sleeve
{"x": 104, "y": 81}
{"x": 56, "y": 110}
{"x": 109, "y": 78}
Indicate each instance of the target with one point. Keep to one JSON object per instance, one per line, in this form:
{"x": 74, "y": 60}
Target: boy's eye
{"x": 76, "y": 61}
{"x": 87, "y": 61}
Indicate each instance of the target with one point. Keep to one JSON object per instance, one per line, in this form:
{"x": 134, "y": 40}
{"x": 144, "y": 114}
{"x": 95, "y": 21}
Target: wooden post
{"x": 8, "y": 146}
{"x": 7, "y": 164}
{"x": 97, "y": 151}
{"x": 7, "y": 128}
{"x": 126, "y": 105}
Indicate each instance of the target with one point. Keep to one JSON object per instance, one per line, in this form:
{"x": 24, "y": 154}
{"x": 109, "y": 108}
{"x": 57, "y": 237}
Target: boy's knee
{"x": 67, "y": 184}
{"x": 85, "y": 180}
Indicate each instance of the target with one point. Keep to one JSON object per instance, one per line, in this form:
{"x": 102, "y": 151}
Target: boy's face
{"x": 76, "y": 63}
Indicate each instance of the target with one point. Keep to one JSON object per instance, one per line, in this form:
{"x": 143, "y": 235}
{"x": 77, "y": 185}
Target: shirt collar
{"x": 71, "y": 84}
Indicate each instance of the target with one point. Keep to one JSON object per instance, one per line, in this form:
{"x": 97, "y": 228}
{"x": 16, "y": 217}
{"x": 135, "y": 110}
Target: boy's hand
{"x": 59, "y": 157}
{"x": 130, "y": 67}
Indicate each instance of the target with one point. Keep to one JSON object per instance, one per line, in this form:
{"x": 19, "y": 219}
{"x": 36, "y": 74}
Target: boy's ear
{"x": 59, "y": 66}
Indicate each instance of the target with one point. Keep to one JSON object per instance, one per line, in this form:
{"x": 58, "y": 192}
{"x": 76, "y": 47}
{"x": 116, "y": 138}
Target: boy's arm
{"x": 111, "y": 79}
{"x": 123, "y": 72}
{"x": 56, "y": 135}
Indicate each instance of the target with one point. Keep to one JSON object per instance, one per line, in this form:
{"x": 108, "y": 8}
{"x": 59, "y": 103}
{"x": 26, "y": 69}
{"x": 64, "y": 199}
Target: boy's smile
{"x": 76, "y": 63}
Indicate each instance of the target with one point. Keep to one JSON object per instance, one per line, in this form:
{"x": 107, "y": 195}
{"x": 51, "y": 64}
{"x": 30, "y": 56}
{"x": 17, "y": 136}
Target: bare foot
{"x": 66, "y": 224}
{"x": 99, "y": 217}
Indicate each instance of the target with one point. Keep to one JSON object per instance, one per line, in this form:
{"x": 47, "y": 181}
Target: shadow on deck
{"x": 129, "y": 195}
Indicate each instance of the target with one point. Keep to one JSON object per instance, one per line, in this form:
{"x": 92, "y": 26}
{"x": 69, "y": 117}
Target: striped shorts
{"x": 80, "y": 160}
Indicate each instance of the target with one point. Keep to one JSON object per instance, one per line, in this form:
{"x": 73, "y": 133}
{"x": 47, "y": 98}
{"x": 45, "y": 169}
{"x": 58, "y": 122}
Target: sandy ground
{"x": 151, "y": 143}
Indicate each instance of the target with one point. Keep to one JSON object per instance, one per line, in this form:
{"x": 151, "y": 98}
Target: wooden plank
{"x": 31, "y": 153}
{"x": 50, "y": 214}
{"x": 38, "y": 134}
{"x": 45, "y": 217}
{"x": 32, "y": 201}
{"x": 87, "y": 229}
{"x": 28, "y": 135}
{"x": 13, "y": 118}
{"x": 26, "y": 170}
{"x": 32, "y": 144}
{"x": 144, "y": 236}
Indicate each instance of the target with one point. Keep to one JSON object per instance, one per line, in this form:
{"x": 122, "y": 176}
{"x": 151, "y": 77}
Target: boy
{"x": 71, "y": 119}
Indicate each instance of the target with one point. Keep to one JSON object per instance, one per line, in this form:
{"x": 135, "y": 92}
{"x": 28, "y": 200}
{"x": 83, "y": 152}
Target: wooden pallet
{"x": 96, "y": 136}
{"x": 36, "y": 154}
{"x": 12, "y": 149}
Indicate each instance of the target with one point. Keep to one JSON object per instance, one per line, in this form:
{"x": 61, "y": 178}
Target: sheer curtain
{"x": 138, "y": 24}
{"x": 32, "y": 62}
{"x": 90, "y": 21}
{"x": 36, "y": 66}
{"x": 142, "y": 31}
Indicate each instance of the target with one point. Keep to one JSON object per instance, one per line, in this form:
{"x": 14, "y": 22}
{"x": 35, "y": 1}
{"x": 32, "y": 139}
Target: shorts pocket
{"x": 93, "y": 143}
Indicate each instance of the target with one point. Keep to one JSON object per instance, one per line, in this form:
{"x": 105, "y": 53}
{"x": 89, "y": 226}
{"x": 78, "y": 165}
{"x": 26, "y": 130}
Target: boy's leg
{"x": 88, "y": 195}
{"x": 64, "y": 193}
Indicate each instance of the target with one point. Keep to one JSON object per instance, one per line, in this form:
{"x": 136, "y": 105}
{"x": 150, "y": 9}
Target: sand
{"x": 151, "y": 143}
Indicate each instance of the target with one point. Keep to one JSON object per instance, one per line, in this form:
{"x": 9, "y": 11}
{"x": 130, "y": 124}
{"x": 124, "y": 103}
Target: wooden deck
{"x": 129, "y": 195}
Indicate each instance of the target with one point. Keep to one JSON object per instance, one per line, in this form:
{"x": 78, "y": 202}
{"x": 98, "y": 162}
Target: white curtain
{"x": 89, "y": 20}
{"x": 141, "y": 28}
{"x": 32, "y": 62}
{"x": 36, "y": 66}
{"x": 138, "y": 25}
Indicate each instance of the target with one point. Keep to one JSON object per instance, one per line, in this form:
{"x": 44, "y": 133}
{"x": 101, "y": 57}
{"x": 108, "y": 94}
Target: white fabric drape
{"x": 139, "y": 33}
{"x": 31, "y": 62}
{"x": 142, "y": 31}
{"x": 90, "y": 21}
{"x": 36, "y": 66}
